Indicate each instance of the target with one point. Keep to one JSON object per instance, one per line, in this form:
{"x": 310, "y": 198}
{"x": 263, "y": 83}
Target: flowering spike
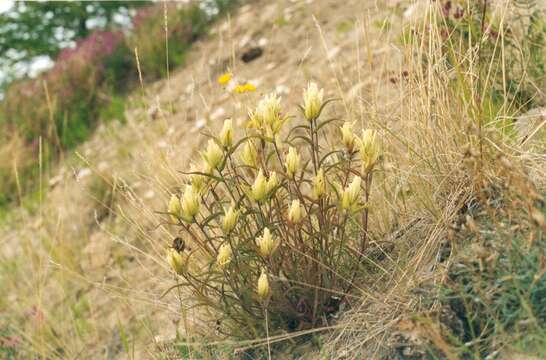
{"x": 213, "y": 155}
{"x": 319, "y": 184}
{"x": 226, "y": 135}
{"x": 292, "y": 162}
{"x": 177, "y": 261}
{"x": 259, "y": 188}
{"x": 224, "y": 255}
{"x": 351, "y": 195}
{"x": 249, "y": 155}
{"x": 263, "y": 289}
{"x": 295, "y": 212}
{"x": 174, "y": 208}
{"x": 369, "y": 150}
{"x": 312, "y": 101}
{"x": 189, "y": 204}
{"x": 272, "y": 182}
{"x": 230, "y": 219}
{"x": 267, "y": 244}
{"x": 348, "y": 137}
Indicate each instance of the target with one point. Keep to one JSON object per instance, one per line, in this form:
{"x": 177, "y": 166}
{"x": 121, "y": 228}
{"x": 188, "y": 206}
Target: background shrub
{"x": 88, "y": 83}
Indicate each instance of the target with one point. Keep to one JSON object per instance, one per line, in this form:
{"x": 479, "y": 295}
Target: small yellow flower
{"x": 174, "y": 208}
{"x": 348, "y": 137}
{"x": 230, "y": 219}
{"x": 267, "y": 244}
{"x": 224, "y": 255}
{"x": 295, "y": 212}
{"x": 249, "y": 156}
{"x": 258, "y": 191}
{"x": 213, "y": 155}
{"x": 369, "y": 149}
{"x": 292, "y": 162}
{"x": 263, "y": 286}
{"x": 189, "y": 204}
{"x": 319, "y": 184}
{"x": 243, "y": 88}
{"x": 351, "y": 195}
{"x": 225, "y": 78}
{"x": 226, "y": 135}
{"x": 177, "y": 261}
{"x": 312, "y": 101}
{"x": 272, "y": 182}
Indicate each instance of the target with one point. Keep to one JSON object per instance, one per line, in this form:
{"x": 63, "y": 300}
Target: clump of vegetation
{"x": 274, "y": 224}
{"x": 496, "y": 286}
{"x": 182, "y": 25}
{"x": 508, "y": 45}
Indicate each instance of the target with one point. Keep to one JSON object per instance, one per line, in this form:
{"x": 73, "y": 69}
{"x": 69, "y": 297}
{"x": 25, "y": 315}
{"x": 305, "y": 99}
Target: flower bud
{"x": 213, "y": 155}
{"x": 230, "y": 219}
{"x": 249, "y": 155}
{"x": 348, "y": 137}
{"x": 295, "y": 212}
{"x": 312, "y": 101}
{"x": 369, "y": 149}
{"x": 224, "y": 255}
{"x": 177, "y": 261}
{"x": 174, "y": 208}
{"x": 272, "y": 182}
{"x": 267, "y": 244}
{"x": 263, "y": 286}
{"x": 319, "y": 184}
{"x": 259, "y": 188}
{"x": 292, "y": 162}
{"x": 351, "y": 195}
{"x": 226, "y": 135}
{"x": 189, "y": 204}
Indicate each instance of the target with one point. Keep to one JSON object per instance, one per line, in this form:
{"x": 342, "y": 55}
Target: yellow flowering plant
{"x": 276, "y": 215}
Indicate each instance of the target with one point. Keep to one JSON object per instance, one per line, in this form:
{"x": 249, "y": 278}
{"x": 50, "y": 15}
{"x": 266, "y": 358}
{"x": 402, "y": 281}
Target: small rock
{"x": 252, "y": 54}
{"x": 83, "y": 173}
{"x": 218, "y": 113}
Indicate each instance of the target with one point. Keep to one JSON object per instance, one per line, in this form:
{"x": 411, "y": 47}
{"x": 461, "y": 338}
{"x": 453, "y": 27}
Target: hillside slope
{"x": 82, "y": 267}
